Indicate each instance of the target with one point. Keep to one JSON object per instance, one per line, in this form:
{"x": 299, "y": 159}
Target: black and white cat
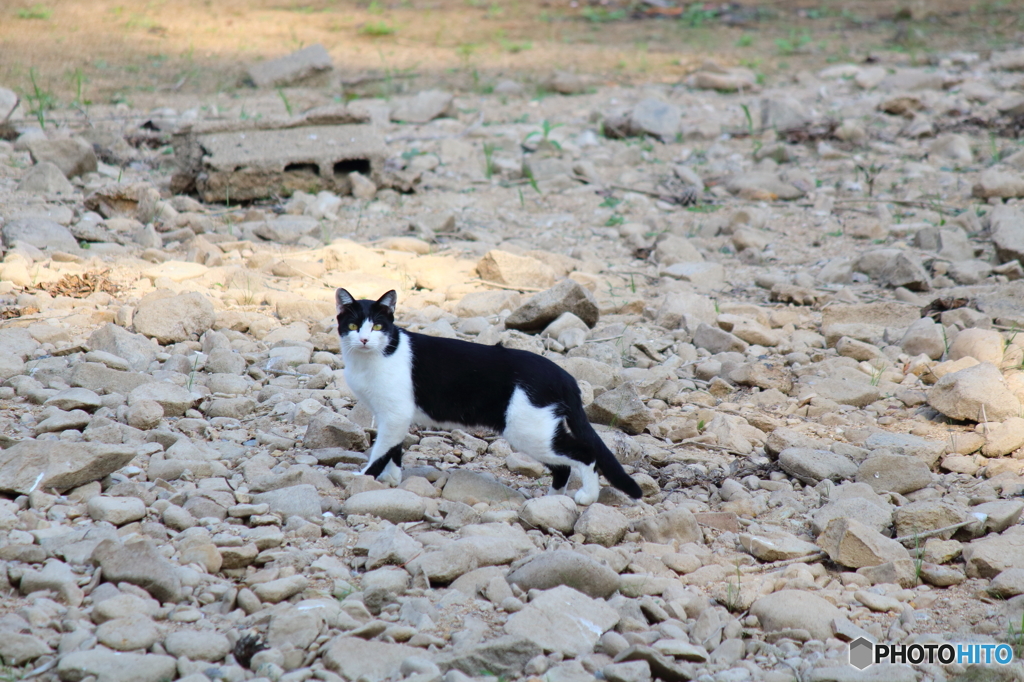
{"x": 405, "y": 377}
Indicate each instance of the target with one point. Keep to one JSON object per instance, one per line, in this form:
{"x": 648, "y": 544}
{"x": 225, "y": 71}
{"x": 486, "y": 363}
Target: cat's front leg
{"x": 386, "y": 455}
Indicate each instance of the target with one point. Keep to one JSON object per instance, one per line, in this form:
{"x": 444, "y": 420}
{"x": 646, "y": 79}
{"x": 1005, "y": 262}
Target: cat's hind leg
{"x": 559, "y": 478}
{"x": 588, "y": 492}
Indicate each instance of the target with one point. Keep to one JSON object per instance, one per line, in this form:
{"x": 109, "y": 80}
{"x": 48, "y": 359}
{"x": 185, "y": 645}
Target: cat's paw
{"x": 556, "y": 491}
{"x": 585, "y": 497}
{"x": 392, "y": 474}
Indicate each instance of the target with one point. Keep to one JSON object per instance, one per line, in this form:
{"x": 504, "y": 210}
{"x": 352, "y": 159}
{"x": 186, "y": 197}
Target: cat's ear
{"x": 343, "y": 299}
{"x": 389, "y": 300}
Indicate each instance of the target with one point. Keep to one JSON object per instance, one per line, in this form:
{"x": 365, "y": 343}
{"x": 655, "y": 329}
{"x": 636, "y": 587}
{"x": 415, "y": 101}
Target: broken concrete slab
{"x": 245, "y": 163}
{"x": 291, "y": 68}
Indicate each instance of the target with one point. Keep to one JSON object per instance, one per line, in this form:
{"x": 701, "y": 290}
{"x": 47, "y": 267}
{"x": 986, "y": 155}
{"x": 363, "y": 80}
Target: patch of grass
{"x": 602, "y": 15}
{"x": 703, "y": 208}
{"x": 40, "y": 100}
{"x": 488, "y": 160}
{"x": 745, "y": 40}
{"x": 610, "y": 202}
{"x": 284, "y": 100}
{"x": 614, "y": 220}
{"x": 35, "y": 12}
{"x": 1015, "y": 637}
{"x": 78, "y": 81}
{"x": 377, "y": 29}
{"x": 546, "y": 127}
{"x": 794, "y": 43}
{"x": 696, "y": 15}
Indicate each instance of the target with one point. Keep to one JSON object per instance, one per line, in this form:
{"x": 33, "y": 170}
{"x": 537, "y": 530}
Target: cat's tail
{"x": 607, "y": 463}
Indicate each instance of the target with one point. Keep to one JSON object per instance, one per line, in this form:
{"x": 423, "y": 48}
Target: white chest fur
{"x": 383, "y": 382}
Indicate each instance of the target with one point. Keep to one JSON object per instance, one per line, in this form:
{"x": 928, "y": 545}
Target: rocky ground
{"x": 793, "y": 307}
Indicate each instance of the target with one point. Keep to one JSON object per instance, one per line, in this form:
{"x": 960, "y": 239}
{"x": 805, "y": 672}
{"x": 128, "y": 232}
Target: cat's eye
{"x": 377, "y": 327}
{"x": 353, "y": 327}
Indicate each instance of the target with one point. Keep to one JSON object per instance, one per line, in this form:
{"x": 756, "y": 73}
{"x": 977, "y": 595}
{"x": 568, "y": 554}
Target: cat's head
{"x": 366, "y": 326}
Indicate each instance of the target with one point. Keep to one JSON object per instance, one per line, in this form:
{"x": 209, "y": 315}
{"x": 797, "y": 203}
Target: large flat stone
{"x": 44, "y": 465}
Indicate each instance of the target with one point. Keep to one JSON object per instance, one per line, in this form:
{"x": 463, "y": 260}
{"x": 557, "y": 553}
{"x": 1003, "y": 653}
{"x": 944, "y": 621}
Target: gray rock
{"x": 75, "y": 399}
{"x": 993, "y": 554}
{"x": 505, "y": 655}
{"x": 849, "y": 542}
{"x": 654, "y": 117}
{"x": 976, "y": 393}
{"x": 634, "y": 671}
{"x": 1008, "y": 584}
{"x": 136, "y": 349}
{"x": 116, "y": 510}
{"x": 113, "y": 666}
{"x": 867, "y": 512}
{"x": 924, "y": 337}
{"x": 894, "y": 473}
{"x": 62, "y": 421}
{"x": 102, "y": 379}
{"x": 676, "y": 525}
{"x": 928, "y": 451}
{"x": 297, "y": 500}
{"x": 796, "y": 609}
{"x": 716, "y": 340}
{"x": 225, "y": 361}
{"x": 568, "y": 296}
{"x": 233, "y": 408}
{"x": 328, "y": 429}
{"x": 288, "y": 229}
{"x": 471, "y": 488}
{"x": 811, "y": 466}
{"x": 1007, "y": 228}
{"x": 296, "y": 626}
{"x": 17, "y": 649}
{"x": 999, "y": 182}
{"x": 922, "y": 516}
{"x": 145, "y": 414}
{"x": 602, "y": 525}
{"x": 395, "y": 505}
{"x": 776, "y": 546}
{"x": 291, "y": 68}
{"x": 45, "y": 178}
{"x": 551, "y": 512}
{"x": 444, "y": 565}
{"x": 197, "y": 645}
{"x": 139, "y": 563}
{"x": 174, "y": 400}
{"x": 622, "y": 408}
{"x": 674, "y": 250}
{"x": 8, "y": 103}
{"x": 578, "y": 571}
{"x": 391, "y": 546}
{"x": 37, "y": 465}
{"x": 172, "y": 319}
{"x": 133, "y": 632}
{"x": 763, "y": 185}
{"x": 354, "y": 658}
{"x": 423, "y": 107}
{"x": 276, "y": 591}
{"x": 563, "y": 620}
{"x": 72, "y": 156}
{"x": 783, "y": 113}
{"x": 41, "y": 233}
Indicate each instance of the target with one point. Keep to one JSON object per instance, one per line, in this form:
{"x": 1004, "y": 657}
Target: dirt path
{"x": 108, "y": 51}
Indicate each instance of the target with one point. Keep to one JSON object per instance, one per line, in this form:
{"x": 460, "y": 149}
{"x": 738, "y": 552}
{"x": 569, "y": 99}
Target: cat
{"x": 404, "y": 377}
